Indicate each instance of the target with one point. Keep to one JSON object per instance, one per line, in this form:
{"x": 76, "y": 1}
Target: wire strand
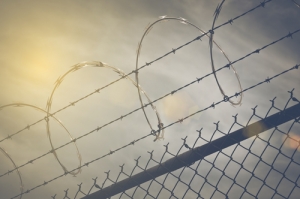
{"x": 171, "y": 124}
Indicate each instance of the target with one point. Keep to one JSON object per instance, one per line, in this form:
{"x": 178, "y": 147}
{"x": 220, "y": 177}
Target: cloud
{"x": 41, "y": 40}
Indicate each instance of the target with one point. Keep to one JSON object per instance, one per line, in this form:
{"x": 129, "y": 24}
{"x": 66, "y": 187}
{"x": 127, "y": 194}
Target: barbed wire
{"x": 160, "y": 126}
{"x": 145, "y": 65}
{"x": 75, "y": 68}
{"x": 48, "y": 133}
{"x": 211, "y": 42}
{"x": 169, "y": 125}
{"x": 59, "y": 122}
{"x": 15, "y": 168}
{"x": 122, "y": 74}
{"x": 211, "y": 39}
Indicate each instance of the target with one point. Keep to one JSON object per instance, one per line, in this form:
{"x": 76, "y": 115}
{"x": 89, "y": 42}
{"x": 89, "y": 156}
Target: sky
{"x": 41, "y": 40}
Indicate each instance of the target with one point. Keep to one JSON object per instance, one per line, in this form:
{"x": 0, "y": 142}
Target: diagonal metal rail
{"x": 198, "y": 153}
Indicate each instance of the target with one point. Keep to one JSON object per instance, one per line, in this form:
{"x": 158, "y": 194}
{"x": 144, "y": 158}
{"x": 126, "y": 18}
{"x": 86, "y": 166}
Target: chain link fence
{"x": 258, "y": 160}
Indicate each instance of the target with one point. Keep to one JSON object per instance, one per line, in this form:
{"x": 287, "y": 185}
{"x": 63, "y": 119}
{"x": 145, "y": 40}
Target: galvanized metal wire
{"x": 216, "y": 173}
{"x": 161, "y": 128}
{"x": 160, "y": 131}
{"x": 268, "y": 80}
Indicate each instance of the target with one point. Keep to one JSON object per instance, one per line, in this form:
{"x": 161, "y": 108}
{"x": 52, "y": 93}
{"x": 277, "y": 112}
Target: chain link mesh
{"x": 259, "y": 163}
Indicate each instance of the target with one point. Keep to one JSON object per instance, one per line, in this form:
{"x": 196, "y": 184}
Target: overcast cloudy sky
{"x": 41, "y": 40}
